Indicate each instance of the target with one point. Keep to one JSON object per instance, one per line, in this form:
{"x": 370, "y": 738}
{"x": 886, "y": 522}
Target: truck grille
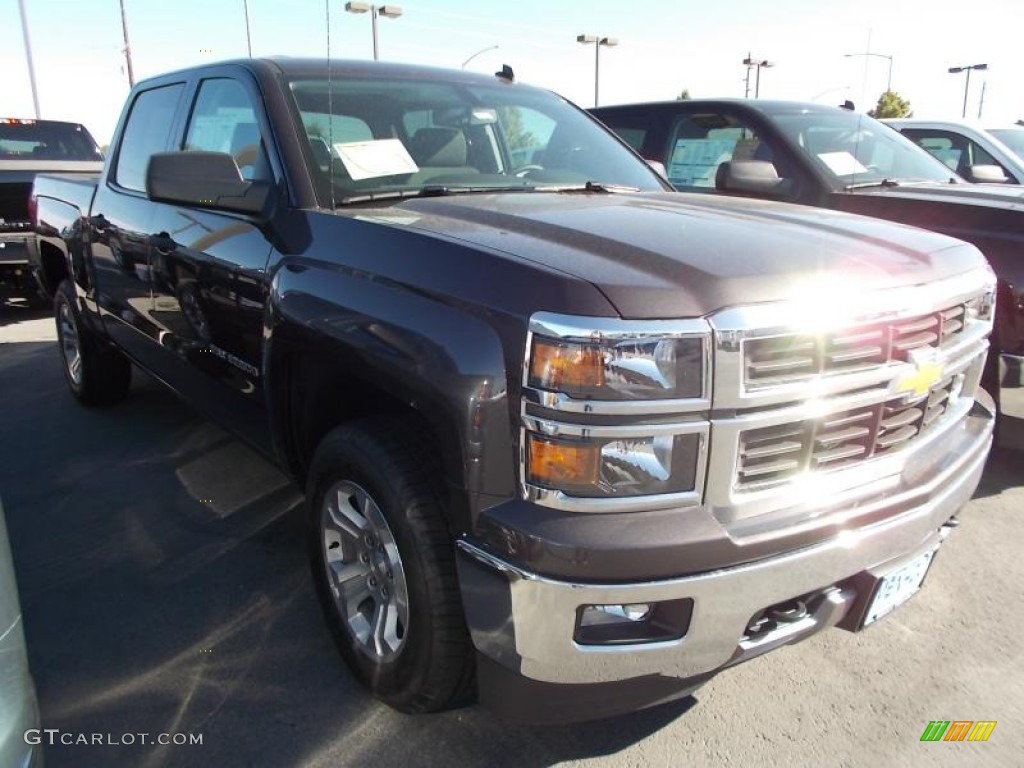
{"x": 791, "y": 357}
{"x": 775, "y": 454}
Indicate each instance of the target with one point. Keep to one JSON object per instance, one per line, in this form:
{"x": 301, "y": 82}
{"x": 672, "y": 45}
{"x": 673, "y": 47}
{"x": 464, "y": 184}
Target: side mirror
{"x": 985, "y": 174}
{"x": 658, "y": 167}
{"x": 751, "y": 177}
{"x": 204, "y": 180}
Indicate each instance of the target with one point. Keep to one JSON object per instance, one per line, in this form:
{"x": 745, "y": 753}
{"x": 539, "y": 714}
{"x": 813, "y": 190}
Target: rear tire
{"x": 383, "y": 563}
{"x": 96, "y": 374}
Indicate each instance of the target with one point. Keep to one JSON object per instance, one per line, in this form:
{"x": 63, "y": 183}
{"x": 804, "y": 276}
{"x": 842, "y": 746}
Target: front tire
{"x": 383, "y": 564}
{"x": 95, "y": 373}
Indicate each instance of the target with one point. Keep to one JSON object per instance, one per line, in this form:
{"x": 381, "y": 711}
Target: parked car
{"x": 1012, "y": 137}
{"x": 19, "y": 710}
{"x": 28, "y": 147}
{"x": 568, "y": 438}
{"x": 835, "y": 158}
{"x": 974, "y": 153}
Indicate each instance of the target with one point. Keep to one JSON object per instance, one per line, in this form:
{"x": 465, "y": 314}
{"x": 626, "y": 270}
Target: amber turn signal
{"x": 566, "y": 366}
{"x": 562, "y": 464}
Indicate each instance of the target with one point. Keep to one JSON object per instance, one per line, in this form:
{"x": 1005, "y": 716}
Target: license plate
{"x": 897, "y": 587}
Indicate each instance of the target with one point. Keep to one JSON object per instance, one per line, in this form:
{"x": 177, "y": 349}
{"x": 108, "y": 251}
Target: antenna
{"x": 330, "y": 107}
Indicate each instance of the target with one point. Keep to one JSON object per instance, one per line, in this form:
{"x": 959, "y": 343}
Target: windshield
{"x": 855, "y": 149}
{"x": 388, "y": 136}
{"x": 1011, "y": 137}
{"x": 42, "y": 140}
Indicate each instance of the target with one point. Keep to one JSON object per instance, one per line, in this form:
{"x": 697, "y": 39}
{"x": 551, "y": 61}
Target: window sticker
{"x": 841, "y": 163}
{"x": 694, "y": 161}
{"x": 371, "y": 159}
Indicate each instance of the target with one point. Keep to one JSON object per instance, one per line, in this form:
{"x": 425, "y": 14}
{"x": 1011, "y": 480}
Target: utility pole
{"x": 127, "y": 47}
{"x": 28, "y": 58}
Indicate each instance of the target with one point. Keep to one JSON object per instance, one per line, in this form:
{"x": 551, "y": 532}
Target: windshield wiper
{"x": 590, "y": 186}
{"x": 867, "y": 184}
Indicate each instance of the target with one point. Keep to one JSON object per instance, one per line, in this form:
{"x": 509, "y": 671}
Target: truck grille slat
{"x": 893, "y": 439}
{"x": 774, "y": 360}
{"x": 769, "y": 455}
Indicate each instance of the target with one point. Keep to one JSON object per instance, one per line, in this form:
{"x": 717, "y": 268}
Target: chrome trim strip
{"x": 556, "y": 401}
{"x": 550, "y": 428}
{"x": 576, "y": 328}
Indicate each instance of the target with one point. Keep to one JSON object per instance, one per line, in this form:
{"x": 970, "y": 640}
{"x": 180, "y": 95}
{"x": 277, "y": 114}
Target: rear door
{"x": 209, "y": 267}
{"x": 122, "y": 219}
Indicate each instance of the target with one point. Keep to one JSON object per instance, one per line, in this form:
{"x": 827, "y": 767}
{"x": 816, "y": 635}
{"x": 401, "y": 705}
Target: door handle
{"x": 162, "y": 243}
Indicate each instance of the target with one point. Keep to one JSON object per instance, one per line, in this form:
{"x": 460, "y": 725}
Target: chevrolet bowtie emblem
{"x": 920, "y": 382}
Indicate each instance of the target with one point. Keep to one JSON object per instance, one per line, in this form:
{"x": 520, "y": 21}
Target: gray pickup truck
{"x": 28, "y": 147}
{"x": 568, "y": 438}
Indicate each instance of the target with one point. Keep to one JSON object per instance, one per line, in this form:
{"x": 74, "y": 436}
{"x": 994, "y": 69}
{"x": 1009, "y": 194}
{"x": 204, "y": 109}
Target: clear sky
{"x": 664, "y": 47}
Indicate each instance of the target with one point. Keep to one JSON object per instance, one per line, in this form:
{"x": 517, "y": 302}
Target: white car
{"x": 974, "y": 153}
{"x": 19, "y": 709}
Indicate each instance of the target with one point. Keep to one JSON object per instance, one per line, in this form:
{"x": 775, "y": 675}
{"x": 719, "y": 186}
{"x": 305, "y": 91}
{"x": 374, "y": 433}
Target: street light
{"x": 248, "y": 33}
{"x": 756, "y": 64}
{"x": 28, "y": 58}
{"x": 598, "y": 41}
{"x": 888, "y": 84}
{"x": 482, "y": 50}
{"x": 388, "y": 11}
{"x": 127, "y": 47}
{"x": 967, "y": 82}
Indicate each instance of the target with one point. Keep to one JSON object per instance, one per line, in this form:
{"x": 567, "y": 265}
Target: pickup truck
{"x": 836, "y": 158}
{"x": 569, "y": 439}
{"x": 28, "y": 147}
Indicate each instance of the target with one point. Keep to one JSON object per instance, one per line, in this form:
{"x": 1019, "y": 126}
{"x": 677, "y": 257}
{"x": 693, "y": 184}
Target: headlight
{"x": 603, "y": 359}
{"x": 604, "y": 466}
{"x": 644, "y": 386}
{"x": 628, "y": 369}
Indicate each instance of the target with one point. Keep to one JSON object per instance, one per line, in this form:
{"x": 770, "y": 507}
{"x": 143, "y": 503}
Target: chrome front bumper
{"x": 527, "y": 622}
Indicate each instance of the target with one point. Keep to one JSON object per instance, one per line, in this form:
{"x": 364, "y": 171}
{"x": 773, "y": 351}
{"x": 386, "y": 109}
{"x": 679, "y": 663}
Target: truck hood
{"x": 663, "y": 255}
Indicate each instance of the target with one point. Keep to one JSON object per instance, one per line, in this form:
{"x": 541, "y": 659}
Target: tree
{"x": 891, "y": 104}
{"x": 684, "y": 95}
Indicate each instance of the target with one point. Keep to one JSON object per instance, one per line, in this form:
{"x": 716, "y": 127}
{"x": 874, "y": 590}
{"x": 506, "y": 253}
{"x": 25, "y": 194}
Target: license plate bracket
{"x": 897, "y": 587}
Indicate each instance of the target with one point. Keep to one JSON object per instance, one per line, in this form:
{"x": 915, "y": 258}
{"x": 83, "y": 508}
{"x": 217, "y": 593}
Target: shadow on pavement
{"x": 165, "y": 590}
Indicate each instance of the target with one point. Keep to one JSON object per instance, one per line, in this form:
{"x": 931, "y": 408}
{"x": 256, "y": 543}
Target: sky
{"x": 665, "y": 46}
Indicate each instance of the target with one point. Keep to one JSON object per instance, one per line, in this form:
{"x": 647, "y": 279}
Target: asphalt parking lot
{"x": 164, "y": 589}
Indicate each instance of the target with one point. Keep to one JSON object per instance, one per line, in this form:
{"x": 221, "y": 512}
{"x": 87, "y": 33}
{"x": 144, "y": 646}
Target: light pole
{"x": 756, "y": 64}
{"x": 127, "y": 47}
{"x": 28, "y": 58}
{"x": 967, "y": 82}
{"x": 598, "y": 41}
{"x": 482, "y": 50}
{"x": 388, "y": 11}
{"x": 888, "y": 82}
{"x": 248, "y": 34}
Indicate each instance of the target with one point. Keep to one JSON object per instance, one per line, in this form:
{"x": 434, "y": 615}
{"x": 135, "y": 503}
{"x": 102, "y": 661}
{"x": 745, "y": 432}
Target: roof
{"x": 300, "y": 67}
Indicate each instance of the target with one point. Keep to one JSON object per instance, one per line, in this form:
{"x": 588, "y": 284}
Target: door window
{"x": 224, "y": 120}
{"x": 147, "y": 131}
{"x": 701, "y": 143}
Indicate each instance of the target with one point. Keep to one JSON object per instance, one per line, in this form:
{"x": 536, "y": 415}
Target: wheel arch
{"x": 437, "y": 366}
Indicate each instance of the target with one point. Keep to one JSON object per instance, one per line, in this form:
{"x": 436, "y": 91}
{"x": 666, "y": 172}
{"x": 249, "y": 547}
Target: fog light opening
{"x": 624, "y": 623}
